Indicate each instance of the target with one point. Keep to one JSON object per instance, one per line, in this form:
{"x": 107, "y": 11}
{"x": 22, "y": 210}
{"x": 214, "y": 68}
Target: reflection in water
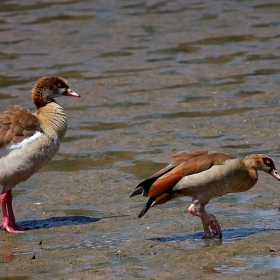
{"x": 250, "y": 262}
{"x": 209, "y": 269}
{"x": 8, "y": 257}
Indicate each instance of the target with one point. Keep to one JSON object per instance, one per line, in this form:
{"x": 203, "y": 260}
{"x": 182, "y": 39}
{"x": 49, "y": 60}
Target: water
{"x": 156, "y": 77}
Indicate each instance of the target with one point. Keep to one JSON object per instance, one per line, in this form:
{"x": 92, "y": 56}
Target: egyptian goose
{"x": 29, "y": 141}
{"x": 203, "y": 175}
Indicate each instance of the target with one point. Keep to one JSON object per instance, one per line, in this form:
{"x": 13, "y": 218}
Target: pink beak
{"x": 70, "y": 92}
{"x": 273, "y": 173}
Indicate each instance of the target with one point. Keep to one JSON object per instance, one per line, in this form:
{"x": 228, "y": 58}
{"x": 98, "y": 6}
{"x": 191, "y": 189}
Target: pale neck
{"x": 53, "y": 119}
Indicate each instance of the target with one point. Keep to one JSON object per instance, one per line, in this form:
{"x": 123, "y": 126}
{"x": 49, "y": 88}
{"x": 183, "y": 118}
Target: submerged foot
{"x": 208, "y": 221}
{"x": 214, "y": 225}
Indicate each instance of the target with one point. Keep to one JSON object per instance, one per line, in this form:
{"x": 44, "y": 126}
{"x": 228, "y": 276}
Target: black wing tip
{"x": 147, "y": 206}
{"x": 138, "y": 191}
{"x": 143, "y": 212}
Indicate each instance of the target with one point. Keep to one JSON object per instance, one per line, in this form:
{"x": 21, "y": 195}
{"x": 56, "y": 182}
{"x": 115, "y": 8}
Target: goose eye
{"x": 267, "y": 162}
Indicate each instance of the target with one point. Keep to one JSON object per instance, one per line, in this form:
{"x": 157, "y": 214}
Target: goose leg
{"x": 212, "y": 221}
{"x": 8, "y": 222}
{"x": 11, "y": 211}
{"x": 207, "y": 220}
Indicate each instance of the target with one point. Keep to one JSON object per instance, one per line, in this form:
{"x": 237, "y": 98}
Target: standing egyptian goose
{"x": 29, "y": 141}
{"x": 203, "y": 175}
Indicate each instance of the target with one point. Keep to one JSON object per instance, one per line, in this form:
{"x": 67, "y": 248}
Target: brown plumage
{"x": 203, "y": 175}
{"x": 16, "y": 124}
{"x": 29, "y": 141}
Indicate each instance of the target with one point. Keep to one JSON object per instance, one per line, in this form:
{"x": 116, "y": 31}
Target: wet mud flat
{"x": 156, "y": 78}
{"x": 93, "y": 233}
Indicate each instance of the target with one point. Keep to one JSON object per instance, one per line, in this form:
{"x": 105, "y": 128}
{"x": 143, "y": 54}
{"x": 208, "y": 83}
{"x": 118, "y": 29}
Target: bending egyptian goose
{"x": 29, "y": 141}
{"x": 203, "y": 175}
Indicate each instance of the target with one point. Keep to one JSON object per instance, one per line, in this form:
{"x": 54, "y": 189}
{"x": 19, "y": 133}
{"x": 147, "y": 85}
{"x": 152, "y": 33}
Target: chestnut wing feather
{"x": 179, "y": 158}
{"x": 194, "y": 165}
{"x": 16, "y": 124}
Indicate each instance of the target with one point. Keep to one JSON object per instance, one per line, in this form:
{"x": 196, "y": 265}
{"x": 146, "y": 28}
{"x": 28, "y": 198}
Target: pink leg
{"x": 8, "y": 222}
{"x": 207, "y": 220}
{"x": 11, "y": 211}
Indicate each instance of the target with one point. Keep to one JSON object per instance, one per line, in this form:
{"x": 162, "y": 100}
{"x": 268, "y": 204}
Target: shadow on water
{"x": 61, "y": 221}
{"x": 227, "y": 234}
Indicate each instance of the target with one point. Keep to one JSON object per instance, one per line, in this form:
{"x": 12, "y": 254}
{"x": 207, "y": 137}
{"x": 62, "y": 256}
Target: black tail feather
{"x": 147, "y": 207}
{"x": 139, "y": 190}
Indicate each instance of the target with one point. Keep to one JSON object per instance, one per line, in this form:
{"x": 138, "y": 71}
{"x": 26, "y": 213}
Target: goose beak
{"x": 274, "y": 173}
{"x": 70, "y": 92}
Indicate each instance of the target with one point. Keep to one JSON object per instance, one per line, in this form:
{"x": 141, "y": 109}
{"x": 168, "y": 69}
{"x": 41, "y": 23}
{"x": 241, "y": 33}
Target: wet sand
{"x": 155, "y": 78}
{"x": 83, "y": 238}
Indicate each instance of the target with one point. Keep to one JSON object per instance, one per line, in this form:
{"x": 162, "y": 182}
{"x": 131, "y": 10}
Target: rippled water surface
{"x": 156, "y": 77}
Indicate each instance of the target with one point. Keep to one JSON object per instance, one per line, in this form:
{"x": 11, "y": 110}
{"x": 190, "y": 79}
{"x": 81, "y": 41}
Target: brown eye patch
{"x": 268, "y": 162}
{"x": 60, "y": 84}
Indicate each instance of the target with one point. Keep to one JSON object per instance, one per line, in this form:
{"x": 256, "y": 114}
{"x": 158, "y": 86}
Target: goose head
{"x": 264, "y": 163}
{"x": 50, "y": 87}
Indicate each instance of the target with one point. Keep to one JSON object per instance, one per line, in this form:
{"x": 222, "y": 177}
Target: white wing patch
{"x": 12, "y": 146}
